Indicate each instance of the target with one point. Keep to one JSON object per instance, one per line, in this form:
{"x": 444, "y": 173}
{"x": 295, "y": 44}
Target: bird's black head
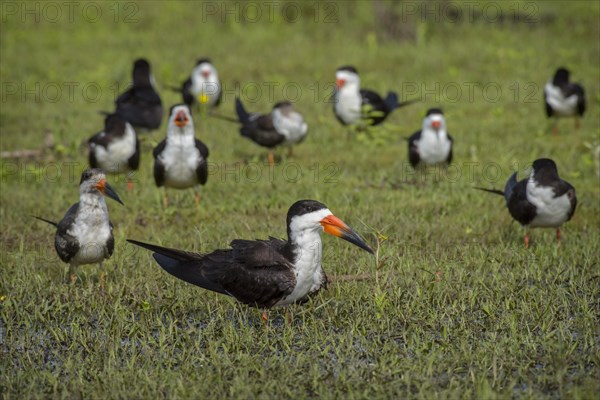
{"x": 281, "y": 104}
{"x": 93, "y": 180}
{"x": 544, "y": 171}
{"x": 307, "y": 216}
{"x": 348, "y": 68}
{"x": 141, "y": 72}
{"x": 561, "y": 77}
{"x": 202, "y": 61}
{"x": 434, "y": 111}
{"x": 302, "y": 207}
{"x": 114, "y": 123}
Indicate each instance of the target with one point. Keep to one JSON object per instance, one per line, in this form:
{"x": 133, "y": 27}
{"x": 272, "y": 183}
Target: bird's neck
{"x": 306, "y": 248}
{"x": 92, "y": 205}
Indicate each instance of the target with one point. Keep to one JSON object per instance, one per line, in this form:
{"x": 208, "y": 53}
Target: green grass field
{"x": 452, "y": 307}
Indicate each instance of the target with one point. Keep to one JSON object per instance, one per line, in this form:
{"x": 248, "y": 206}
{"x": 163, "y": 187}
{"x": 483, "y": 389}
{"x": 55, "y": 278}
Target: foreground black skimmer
{"x": 116, "y": 149}
{"x": 85, "y": 234}
{"x": 180, "y": 160}
{"x": 563, "y": 98}
{"x": 543, "y": 200}
{"x": 282, "y": 126}
{"x": 432, "y": 144}
{"x": 264, "y": 273}
{"x": 353, "y": 104}
{"x": 203, "y": 87}
{"x": 140, "y": 105}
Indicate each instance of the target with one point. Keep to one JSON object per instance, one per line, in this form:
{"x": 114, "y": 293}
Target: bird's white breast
{"x": 562, "y": 106}
{"x": 91, "y": 229}
{"x": 114, "y": 158}
{"x": 551, "y": 211}
{"x": 433, "y": 148}
{"x": 291, "y": 126}
{"x": 348, "y": 104}
{"x": 180, "y": 158}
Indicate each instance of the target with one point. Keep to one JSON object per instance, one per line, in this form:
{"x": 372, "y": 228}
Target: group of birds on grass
{"x": 271, "y": 272}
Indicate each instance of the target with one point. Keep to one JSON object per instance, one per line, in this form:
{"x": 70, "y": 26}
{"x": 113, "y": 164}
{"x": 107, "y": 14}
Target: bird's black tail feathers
{"x": 45, "y": 220}
{"x": 494, "y": 191}
{"x": 241, "y": 112}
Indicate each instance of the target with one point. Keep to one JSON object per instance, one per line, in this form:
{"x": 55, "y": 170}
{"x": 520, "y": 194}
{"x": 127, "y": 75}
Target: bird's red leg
{"x": 196, "y": 198}
{"x": 558, "y": 235}
{"x": 264, "y": 316}
{"x": 129, "y": 185}
{"x": 166, "y": 200}
{"x": 554, "y": 130}
{"x": 289, "y": 154}
{"x": 102, "y": 280}
{"x": 71, "y": 274}
{"x": 577, "y": 126}
{"x": 271, "y": 159}
{"x": 526, "y": 240}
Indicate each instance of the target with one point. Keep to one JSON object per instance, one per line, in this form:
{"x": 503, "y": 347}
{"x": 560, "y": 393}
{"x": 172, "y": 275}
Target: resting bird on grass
{"x": 116, "y": 149}
{"x": 203, "y": 87}
{"x": 180, "y": 160}
{"x": 85, "y": 234}
{"x": 282, "y": 126}
{"x": 432, "y": 144}
{"x": 264, "y": 273}
{"x": 541, "y": 201}
{"x": 140, "y": 105}
{"x": 353, "y": 104}
{"x": 563, "y": 98}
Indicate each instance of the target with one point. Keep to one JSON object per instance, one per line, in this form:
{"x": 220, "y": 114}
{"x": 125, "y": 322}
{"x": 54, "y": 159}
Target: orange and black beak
{"x": 339, "y": 83}
{"x": 336, "y": 227}
{"x": 205, "y": 73}
{"x": 181, "y": 119}
{"x": 436, "y": 124}
{"x": 108, "y": 191}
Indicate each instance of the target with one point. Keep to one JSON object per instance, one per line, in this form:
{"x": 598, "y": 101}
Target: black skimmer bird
{"x": 432, "y": 144}
{"x": 180, "y": 160}
{"x": 140, "y": 105}
{"x": 116, "y": 149}
{"x": 541, "y": 201}
{"x": 282, "y": 126}
{"x": 85, "y": 234}
{"x": 353, "y": 104}
{"x": 563, "y": 98}
{"x": 264, "y": 273}
{"x": 203, "y": 87}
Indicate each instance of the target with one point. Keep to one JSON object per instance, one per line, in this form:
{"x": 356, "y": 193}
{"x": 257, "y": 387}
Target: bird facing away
{"x": 353, "y": 104}
{"x": 264, "y": 273}
{"x": 432, "y": 144}
{"x": 563, "y": 98}
{"x": 140, "y": 105}
{"x": 85, "y": 234}
{"x": 203, "y": 87}
{"x": 180, "y": 160}
{"x": 282, "y": 126}
{"x": 116, "y": 149}
{"x": 541, "y": 201}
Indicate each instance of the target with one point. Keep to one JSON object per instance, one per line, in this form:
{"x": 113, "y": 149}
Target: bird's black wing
{"x": 449, "y": 158}
{"x": 202, "y": 168}
{"x": 134, "y": 160}
{"x": 249, "y": 272}
{"x": 261, "y": 131}
{"x": 141, "y": 107}
{"x": 413, "y": 152}
{"x": 575, "y": 89}
{"x": 376, "y": 106}
{"x": 159, "y": 167}
{"x": 66, "y": 245}
{"x": 186, "y": 94}
{"x": 519, "y": 207}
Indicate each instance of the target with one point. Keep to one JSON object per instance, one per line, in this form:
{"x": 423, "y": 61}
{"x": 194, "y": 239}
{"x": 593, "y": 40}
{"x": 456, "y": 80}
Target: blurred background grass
{"x": 498, "y": 321}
